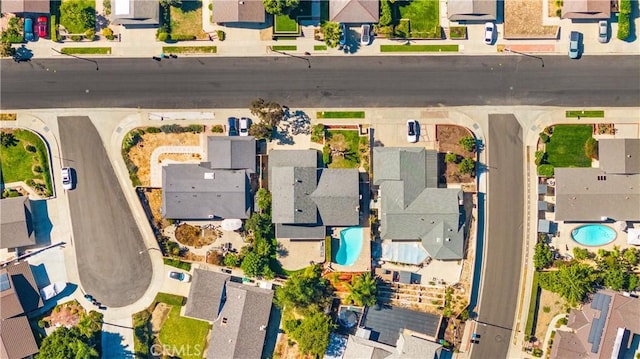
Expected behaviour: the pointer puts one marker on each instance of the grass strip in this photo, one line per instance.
(340, 114)
(170, 299)
(535, 289)
(86, 50)
(190, 49)
(418, 48)
(178, 264)
(588, 114)
(320, 47)
(284, 47)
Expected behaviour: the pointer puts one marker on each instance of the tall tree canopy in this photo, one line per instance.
(572, 281)
(311, 333)
(304, 290)
(362, 290)
(66, 343)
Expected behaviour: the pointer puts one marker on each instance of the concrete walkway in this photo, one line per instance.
(155, 169)
(552, 328)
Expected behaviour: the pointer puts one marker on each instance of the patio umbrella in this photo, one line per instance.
(231, 224)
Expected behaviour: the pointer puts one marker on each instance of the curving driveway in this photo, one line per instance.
(105, 235)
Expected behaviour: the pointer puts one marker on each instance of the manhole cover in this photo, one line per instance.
(498, 338)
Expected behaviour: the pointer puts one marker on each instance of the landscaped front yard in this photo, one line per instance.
(423, 15)
(78, 16)
(345, 149)
(186, 21)
(566, 146)
(26, 159)
(182, 332)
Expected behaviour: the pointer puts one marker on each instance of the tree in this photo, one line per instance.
(77, 18)
(231, 260)
(580, 253)
(633, 283)
(331, 32)
(451, 158)
(304, 290)
(67, 343)
(270, 113)
(261, 131)
(631, 256)
(5, 48)
(263, 200)
(385, 13)
(572, 281)
(468, 143)
(252, 264)
(542, 256)
(278, 7)
(311, 333)
(362, 290)
(7, 139)
(467, 166)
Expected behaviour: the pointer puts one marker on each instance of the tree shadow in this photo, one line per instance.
(41, 222)
(112, 346)
(188, 6)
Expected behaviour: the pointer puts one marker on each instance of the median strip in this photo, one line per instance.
(190, 49)
(86, 50)
(284, 48)
(588, 114)
(418, 48)
(340, 114)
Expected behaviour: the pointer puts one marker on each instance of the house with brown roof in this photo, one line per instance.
(238, 11)
(603, 328)
(16, 227)
(472, 10)
(586, 9)
(25, 6)
(614, 186)
(354, 11)
(18, 295)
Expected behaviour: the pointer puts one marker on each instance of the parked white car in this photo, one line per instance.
(67, 179)
(603, 31)
(412, 131)
(489, 31)
(365, 34)
(245, 123)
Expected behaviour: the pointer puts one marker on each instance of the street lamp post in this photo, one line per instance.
(506, 49)
(290, 55)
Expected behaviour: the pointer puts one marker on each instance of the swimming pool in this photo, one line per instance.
(350, 245)
(593, 235)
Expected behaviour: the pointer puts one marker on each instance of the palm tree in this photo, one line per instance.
(363, 290)
(8, 139)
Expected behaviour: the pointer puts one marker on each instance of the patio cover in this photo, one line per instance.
(409, 253)
(633, 236)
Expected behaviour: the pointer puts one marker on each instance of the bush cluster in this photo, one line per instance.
(179, 129)
(624, 20)
(182, 37)
(217, 129)
(544, 137)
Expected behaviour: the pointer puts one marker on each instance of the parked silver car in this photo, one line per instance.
(603, 31)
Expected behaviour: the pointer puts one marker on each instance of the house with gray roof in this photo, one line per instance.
(135, 12)
(413, 209)
(386, 324)
(472, 10)
(25, 6)
(586, 9)
(605, 327)
(354, 11)
(218, 188)
(16, 223)
(614, 186)
(306, 199)
(239, 313)
(408, 346)
(234, 11)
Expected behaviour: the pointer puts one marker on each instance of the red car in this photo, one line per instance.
(42, 26)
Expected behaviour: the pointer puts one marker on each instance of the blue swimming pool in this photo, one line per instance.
(350, 245)
(593, 235)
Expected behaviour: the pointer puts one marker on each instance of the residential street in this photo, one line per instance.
(504, 239)
(401, 81)
(105, 235)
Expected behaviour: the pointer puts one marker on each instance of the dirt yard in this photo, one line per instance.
(140, 154)
(179, 157)
(556, 305)
(154, 198)
(286, 350)
(448, 137)
(158, 316)
(523, 19)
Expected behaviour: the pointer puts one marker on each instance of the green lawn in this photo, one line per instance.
(586, 114)
(186, 21)
(86, 50)
(170, 299)
(566, 146)
(352, 159)
(285, 24)
(423, 15)
(69, 19)
(418, 48)
(190, 49)
(178, 264)
(319, 47)
(183, 332)
(17, 163)
(284, 47)
(340, 114)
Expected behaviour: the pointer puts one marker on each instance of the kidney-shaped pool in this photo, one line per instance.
(593, 235)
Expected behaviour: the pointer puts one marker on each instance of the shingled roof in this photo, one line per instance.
(25, 6)
(16, 338)
(238, 11)
(472, 10)
(354, 11)
(16, 227)
(586, 9)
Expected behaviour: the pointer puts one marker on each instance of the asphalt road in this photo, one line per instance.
(505, 197)
(411, 81)
(106, 238)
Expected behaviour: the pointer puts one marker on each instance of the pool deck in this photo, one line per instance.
(299, 254)
(363, 263)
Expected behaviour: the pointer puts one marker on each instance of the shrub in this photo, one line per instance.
(468, 143)
(581, 253)
(451, 158)
(37, 169)
(326, 154)
(194, 128)
(163, 36)
(545, 170)
(31, 148)
(385, 13)
(217, 129)
(210, 6)
(182, 37)
(541, 158)
(108, 33)
(90, 34)
(402, 29)
(221, 35)
(562, 321)
(76, 37)
(231, 260)
(171, 128)
(546, 309)
(153, 130)
(106, 5)
(544, 137)
(54, 29)
(317, 133)
(467, 166)
(591, 148)
(624, 26)
(537, 352)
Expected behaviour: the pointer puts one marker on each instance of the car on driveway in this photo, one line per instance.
(233, 126)
(42, 26)
(489, 31)
(182, 277)
(603, 31)
(412, 131)
(67, 178)
(245, 123)
(365, 34)
(343, 35)
(28, 29)
(574, 45)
